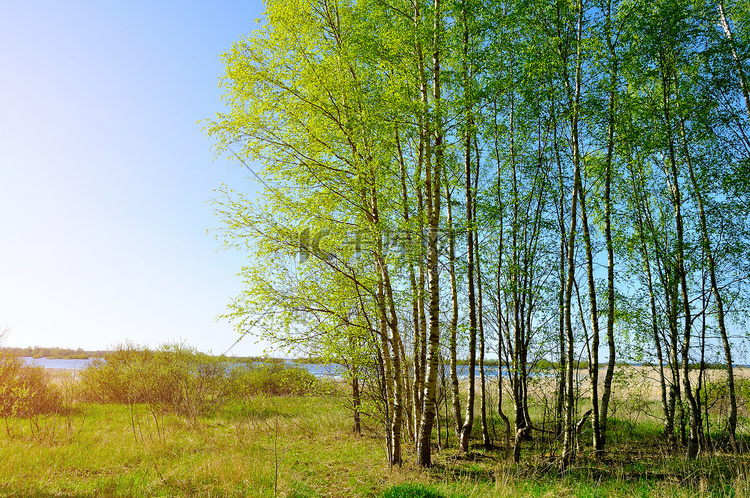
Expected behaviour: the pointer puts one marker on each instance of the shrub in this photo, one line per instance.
(274, 379)
(114, 378)
(25, 390)
(180, 379)
(174, 377)
(717, 396)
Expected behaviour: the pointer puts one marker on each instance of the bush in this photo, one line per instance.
(274, 379)
(114, 379)
(742, 388)
(25, 390)
(173, 377)
(182, 380)
(717, 396)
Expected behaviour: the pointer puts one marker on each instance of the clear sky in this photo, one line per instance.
(105, 174)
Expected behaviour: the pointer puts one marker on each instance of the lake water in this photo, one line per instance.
(316, 369)
(57, 363)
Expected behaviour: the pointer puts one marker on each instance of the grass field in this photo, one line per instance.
(302, 446)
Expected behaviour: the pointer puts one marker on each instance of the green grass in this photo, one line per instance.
(258, 436)
(303, 447)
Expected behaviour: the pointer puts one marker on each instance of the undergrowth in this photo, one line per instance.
(274, 432)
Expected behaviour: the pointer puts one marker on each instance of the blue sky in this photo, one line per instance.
(105, 174)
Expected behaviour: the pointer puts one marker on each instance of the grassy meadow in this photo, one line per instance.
(300, 443)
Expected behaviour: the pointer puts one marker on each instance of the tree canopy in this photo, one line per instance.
(526, 179)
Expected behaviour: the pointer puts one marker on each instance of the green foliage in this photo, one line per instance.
(274, 379)
(339, 106)
(742, 385)
(184, 381)
(25, 390)
(174, 377)
(716, 394)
